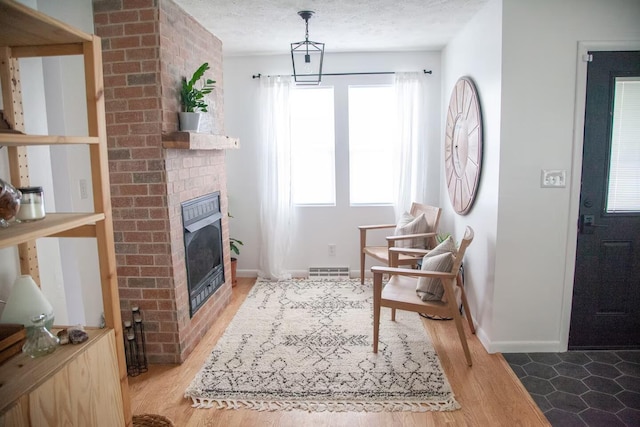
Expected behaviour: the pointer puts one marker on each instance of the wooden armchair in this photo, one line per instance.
(381, 253)
(400, 292)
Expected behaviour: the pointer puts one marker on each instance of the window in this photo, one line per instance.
(313, 146)
(623, 193)
(372, 118)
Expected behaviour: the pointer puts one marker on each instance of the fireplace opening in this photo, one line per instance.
(202, 223)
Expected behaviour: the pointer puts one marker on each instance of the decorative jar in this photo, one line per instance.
(40, 341)
(31, 204)
(9, 202)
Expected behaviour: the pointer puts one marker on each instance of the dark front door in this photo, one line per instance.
(606, 291)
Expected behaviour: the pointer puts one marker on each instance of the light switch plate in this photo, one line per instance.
(553, 178)
(84, 191)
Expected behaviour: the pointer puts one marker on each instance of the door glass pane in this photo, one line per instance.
(623, 193)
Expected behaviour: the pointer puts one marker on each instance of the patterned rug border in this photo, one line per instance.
(447, 403)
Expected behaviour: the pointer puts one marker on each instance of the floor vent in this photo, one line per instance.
(329, 272)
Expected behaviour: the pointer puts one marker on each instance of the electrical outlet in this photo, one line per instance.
(332, 250)
(84, 191)
(553, 178)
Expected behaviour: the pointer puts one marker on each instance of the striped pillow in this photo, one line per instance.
(439, 258)
(409, 224)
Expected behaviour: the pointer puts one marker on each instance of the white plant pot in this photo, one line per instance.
(189, 122)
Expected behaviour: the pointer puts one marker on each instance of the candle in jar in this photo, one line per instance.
(30, 212)
(31, 204)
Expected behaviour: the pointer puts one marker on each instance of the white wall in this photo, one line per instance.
(476, 52)
(320, 226)
(523, 302)
(539, 94)
(54, 103)
(66, 110)
(33, 104)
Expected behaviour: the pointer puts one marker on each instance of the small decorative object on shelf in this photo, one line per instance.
(9, 202)
(31, 204)
(63, 336)
(5, 127)
(193, 100)
(39, 340)
(135, 346)
(25, 301)
(12, 338)
(77, 335)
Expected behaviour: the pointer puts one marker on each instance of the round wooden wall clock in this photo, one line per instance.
(463, 145)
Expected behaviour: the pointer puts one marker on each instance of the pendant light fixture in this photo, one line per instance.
(307, 56)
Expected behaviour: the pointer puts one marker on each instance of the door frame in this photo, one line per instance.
(576, 173)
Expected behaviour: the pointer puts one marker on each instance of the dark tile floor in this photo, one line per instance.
(582, 388)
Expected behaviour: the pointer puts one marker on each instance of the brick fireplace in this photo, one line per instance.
(148, 46)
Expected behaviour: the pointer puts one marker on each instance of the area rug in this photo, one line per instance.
(307, 344)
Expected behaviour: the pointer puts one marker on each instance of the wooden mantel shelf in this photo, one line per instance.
(198, 141)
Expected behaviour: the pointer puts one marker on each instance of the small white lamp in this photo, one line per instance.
(25, 301)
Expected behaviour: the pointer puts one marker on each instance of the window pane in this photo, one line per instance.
(372, 117)
(313, 146)
(624, 169)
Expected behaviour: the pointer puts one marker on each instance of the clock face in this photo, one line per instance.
(463, 145)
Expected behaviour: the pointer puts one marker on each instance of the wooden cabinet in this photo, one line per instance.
(73, 384)
(85, 390)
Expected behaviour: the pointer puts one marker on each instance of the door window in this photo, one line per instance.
(623, 195)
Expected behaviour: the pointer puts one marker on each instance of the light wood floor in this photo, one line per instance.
(489, 393)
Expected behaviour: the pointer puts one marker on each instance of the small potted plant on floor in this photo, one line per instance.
(192, 97)
(233, 244)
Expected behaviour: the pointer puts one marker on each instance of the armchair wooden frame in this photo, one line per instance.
(381, 253)
(400, 292)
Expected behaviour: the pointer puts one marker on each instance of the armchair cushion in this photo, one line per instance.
(408, 224)
(439, 259)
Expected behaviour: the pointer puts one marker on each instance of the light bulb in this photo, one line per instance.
(307, 67)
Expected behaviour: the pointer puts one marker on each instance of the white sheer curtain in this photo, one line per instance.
(411, 155)
(276, 203)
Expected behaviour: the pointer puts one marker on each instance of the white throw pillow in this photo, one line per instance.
(408, 224)
(439, 259)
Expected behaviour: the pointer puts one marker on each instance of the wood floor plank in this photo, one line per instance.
(489, 392)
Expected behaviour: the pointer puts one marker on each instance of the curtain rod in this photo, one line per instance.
(257, 76)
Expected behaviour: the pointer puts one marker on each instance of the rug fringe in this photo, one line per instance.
(446, 405)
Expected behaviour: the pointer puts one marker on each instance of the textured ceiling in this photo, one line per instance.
(250, 27)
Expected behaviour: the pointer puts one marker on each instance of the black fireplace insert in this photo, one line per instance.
(202, 223)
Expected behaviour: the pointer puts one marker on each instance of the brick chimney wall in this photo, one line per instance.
(148, 46)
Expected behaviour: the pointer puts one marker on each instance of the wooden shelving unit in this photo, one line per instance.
(34, 392)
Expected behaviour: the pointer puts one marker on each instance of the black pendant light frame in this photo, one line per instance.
(307, 50)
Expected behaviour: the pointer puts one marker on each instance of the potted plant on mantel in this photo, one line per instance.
(234, 243)
(193, 100)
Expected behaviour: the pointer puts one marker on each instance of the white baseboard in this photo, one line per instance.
(524, 347)
(254, 273)
(354, 274)
(518, 346)
(247, 273)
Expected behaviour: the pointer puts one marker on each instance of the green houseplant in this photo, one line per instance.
(234, 246)
(192, 98)
(234, 243)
